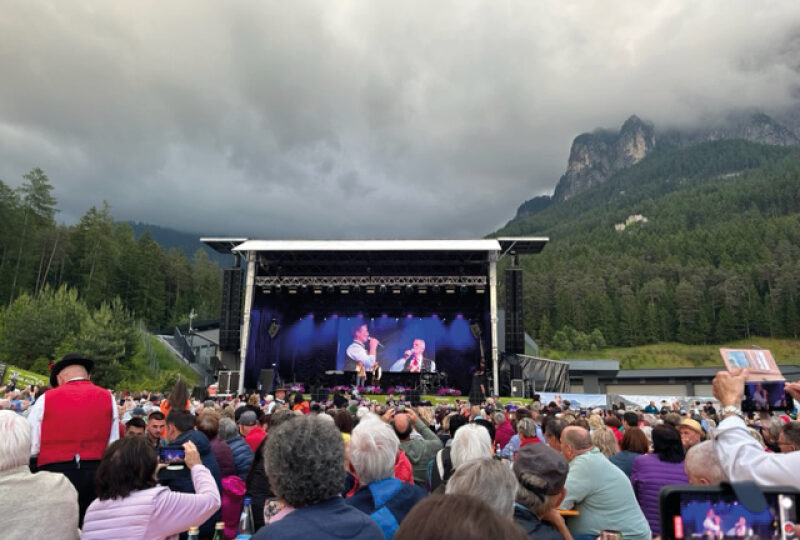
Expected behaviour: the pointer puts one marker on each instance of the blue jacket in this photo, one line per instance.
(181, 480)
(387, 501)
(330, 520)
(624, 460)
(242, 456)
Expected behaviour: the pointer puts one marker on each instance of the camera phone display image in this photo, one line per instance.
(172, 456)
(722, 517)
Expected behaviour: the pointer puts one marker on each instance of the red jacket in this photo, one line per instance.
(503, 434)
(77, 421)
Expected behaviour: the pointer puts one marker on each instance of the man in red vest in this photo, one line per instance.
(72, 424)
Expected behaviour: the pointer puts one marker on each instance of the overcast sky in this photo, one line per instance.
(346, 119)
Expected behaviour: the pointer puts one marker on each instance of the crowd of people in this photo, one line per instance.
(146, 465)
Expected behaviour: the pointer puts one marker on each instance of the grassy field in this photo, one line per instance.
(666, 355)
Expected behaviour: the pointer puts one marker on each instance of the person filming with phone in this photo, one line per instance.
(130, 504)
(741, 457)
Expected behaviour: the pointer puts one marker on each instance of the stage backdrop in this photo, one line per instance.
(303, 348)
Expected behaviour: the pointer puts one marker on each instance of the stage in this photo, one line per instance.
(312, 308)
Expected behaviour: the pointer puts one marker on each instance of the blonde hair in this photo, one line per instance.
(595, 422)
(605, 441)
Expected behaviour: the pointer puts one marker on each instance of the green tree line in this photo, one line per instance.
(717, 260)
(92, 287)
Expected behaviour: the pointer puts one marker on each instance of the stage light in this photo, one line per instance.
(292, 290)
(370, 290)
(459, 316)
(396, 289)
(382, 289)
(317, 290)
(384, 315)
(409, 316)
(422, 290)
(450, 290)
(335, 315)
(344, 290)
(267, 290)
(310, 315)
(435, 316)
(480, 289)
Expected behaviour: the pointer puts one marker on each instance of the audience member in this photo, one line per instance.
(503, 429)
(630, 420)
(702, 465)
(552, 433)
(442, 466)
(241, 451)
(304, 460)
(418, 451)
(249, 429)
(513, 444)
(130, 504)
(471, 442)
(789, 439)
(634, 444)
(456, 516)
(135, 427)
(208, 425)
(605, 440)
(599, 490)
(156, 425)
(72, 424)
(489, 480)
(373, 451)
(41, 505)
(180, 429)
(541, 473)
(691, 432)
(741, 457)
(651, 472)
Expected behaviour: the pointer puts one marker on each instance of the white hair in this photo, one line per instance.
(472, 441)
(373, 450)
(361, 412)
(326, 417)
(489, 480)
(15, 440)
(702, 461)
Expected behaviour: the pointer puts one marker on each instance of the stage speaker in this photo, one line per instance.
(223, 383)
(230, 321)
(414, 397)
(234, 383)
(267, 376)
(517, 388)
(514, 331)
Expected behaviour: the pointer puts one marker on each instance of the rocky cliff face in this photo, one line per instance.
(594, 157)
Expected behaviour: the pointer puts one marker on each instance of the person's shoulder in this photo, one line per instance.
(52, 483)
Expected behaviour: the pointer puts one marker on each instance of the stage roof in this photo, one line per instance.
(369, 245)
(522, 245)
(223, 245)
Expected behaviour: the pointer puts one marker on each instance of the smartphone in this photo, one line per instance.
(610, 535)
(172, 455)
(766, 396)
(715, 512)
(400, 408)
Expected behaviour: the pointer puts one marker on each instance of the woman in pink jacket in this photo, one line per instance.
(130, 504)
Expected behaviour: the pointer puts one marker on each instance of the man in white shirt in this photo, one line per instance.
(414, 359)
(741, 457)
(360, 355)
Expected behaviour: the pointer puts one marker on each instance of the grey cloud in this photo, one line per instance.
(359, 119)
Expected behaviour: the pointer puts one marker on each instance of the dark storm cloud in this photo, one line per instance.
(359, 119)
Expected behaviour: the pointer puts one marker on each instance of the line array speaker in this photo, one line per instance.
(514, 327)
(231, 312)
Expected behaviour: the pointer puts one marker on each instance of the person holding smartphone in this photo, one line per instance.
(741, 457)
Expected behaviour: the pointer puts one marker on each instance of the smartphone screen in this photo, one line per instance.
(766, 396)
(172, 456)
(720, 515)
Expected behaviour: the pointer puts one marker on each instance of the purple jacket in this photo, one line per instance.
(648, 475)
(224, 455)
(153, 513)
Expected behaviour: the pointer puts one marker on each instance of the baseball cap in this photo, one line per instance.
(543, 462)
(248, 418)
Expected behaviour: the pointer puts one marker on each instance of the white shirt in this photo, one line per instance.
(37, 414)
(358, 353)
(742, 458)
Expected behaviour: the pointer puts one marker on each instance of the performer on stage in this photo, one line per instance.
(414, 359)
(72, 424)
(356, 357)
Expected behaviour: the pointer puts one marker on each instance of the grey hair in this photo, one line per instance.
(487, 479)
(304, 461)
(227, 429)
(702, 460)
(472, 441)
(498, 418)
(526, 428)
(373, 450)
(15, 440)
(537, 503)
